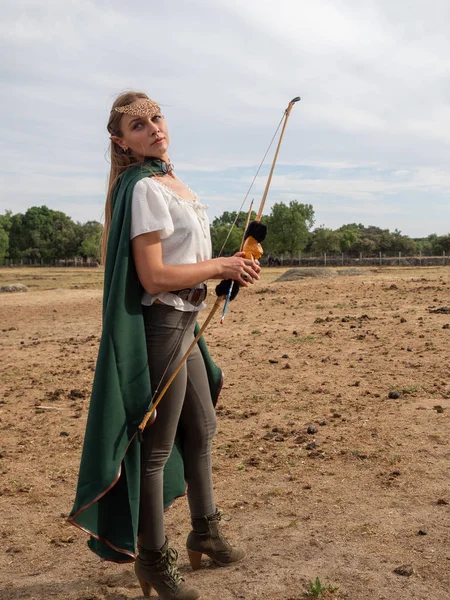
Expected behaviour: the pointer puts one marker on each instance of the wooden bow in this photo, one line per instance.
(252, 247)
(253, 250)
(251, 241)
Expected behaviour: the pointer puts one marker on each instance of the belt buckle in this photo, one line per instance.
(197, 295)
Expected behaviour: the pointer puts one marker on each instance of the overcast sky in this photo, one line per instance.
(368, 143)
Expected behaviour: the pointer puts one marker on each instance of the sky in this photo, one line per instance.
(368, 143)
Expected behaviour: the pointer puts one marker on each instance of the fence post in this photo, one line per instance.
(381, 260)
(420, 258)
(399, 256)
(342, 259)
(324, 259)
(443, 257)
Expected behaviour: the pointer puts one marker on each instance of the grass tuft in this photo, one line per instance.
(316, 589)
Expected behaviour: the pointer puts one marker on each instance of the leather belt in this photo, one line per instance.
(194, 296)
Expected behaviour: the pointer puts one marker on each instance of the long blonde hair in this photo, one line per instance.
(120, 160)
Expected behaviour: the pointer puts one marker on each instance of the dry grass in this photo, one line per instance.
(53, 278)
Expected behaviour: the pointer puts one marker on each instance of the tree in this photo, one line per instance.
(227, 219)
(92, 234)
(4, 243)
(402, 243)
(219, 235)
(439, 244)
(15, 237)
(5, 227)
(288, 227)
(43, 233)
(5, 220)
(224, 225)
(357, 238)
(325, 240)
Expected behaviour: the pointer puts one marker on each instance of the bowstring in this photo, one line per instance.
(181, 336)
(251, 185)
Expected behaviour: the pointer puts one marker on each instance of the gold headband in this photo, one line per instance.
(143, 108)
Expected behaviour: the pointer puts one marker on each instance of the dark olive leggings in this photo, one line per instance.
(187, 405)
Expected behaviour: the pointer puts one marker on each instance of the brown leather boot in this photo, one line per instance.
(157, 569)
(207, 538)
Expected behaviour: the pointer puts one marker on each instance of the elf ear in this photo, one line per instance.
(117, 140)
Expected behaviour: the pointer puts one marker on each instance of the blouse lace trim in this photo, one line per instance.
(194, 203)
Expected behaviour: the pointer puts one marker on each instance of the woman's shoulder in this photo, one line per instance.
(147, 187)
(146, 183)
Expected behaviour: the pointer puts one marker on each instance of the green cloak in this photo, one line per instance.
(107, 498)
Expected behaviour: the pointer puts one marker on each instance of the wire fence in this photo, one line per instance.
(302, 260)
(59, 262)
(351, 260)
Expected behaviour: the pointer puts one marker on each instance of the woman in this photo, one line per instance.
(170, 259)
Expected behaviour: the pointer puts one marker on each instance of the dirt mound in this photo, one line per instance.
(303, 273)
(14, 287)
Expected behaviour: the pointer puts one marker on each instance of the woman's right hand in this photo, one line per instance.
(243, 270)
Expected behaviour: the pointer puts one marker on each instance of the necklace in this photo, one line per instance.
(158, 167)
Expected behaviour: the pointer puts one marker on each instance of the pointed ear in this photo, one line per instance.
(117, 140)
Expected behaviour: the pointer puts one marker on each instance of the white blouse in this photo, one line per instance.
(183, 226)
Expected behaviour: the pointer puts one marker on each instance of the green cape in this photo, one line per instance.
(107, 498)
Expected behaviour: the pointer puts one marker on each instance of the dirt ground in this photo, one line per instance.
(331, 459)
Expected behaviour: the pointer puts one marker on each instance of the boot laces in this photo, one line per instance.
(218, 517)
(171, 566)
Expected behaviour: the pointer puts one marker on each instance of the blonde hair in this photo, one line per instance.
(120, 160)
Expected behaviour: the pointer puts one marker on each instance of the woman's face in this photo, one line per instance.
(144, 136)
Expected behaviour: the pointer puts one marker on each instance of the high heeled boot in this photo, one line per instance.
(158, 569)
(207, 538)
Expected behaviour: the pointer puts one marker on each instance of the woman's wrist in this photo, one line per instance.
(216, 263)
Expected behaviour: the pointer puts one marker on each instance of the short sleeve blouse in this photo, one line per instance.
(183, 226)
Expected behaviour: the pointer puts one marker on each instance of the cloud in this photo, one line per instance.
(372, 129)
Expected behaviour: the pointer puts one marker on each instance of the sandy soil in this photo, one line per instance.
(332, 453)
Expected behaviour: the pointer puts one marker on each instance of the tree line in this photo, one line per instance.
(45, 234)
(291, 233)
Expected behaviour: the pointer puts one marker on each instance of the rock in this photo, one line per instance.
(422, 532)
(393, 395)
(441, 502)
(311, 430)
(446, 326)
(442, 310)
(14, 287)
(300, 439)
(285, 356)
(438, 408)
(404, 570)
(287, 366)
(272, 361)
